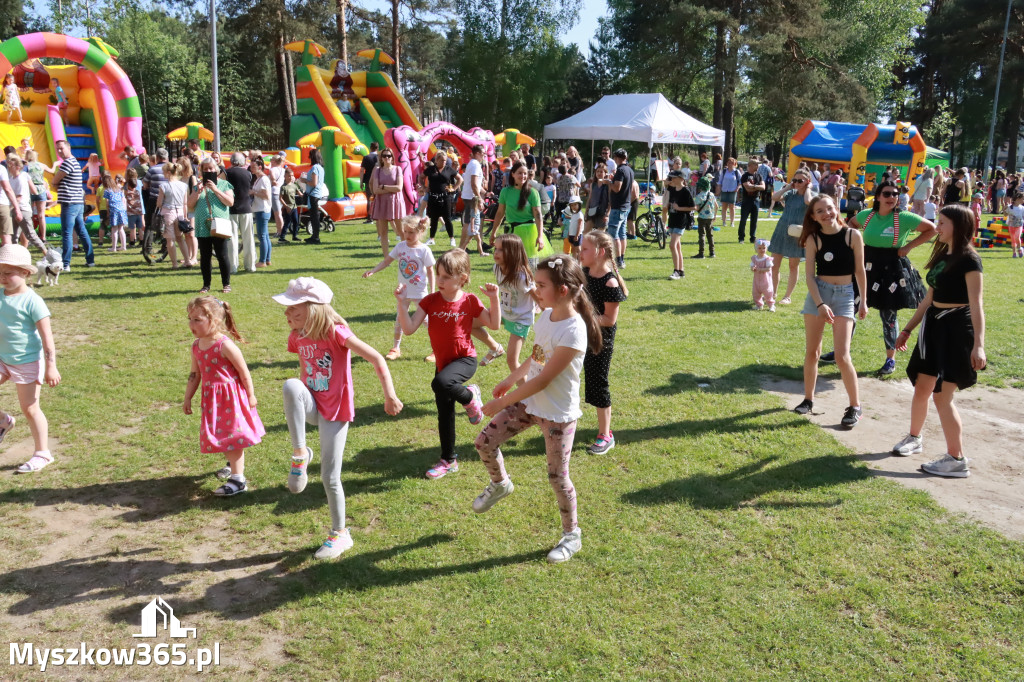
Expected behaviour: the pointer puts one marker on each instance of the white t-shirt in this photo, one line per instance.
(276, 179)
(575, 222)
(260, 205)
(516, 302)
(929, 211)
(22, 186)
(686, 174)
(413, 262)
(610, 165)
(472, 168)
(1015, 215)
(560, 400)
(4, 201)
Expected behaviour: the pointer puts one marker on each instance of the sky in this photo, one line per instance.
(585, 29)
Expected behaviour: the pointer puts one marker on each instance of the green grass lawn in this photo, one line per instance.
(724, 538)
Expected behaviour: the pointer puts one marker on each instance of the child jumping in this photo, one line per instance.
(451, 311)
(27, 354)
(761, 266)
(324, 396)
(606, 291)
(415, 270)
(229, 423)
(550, 397)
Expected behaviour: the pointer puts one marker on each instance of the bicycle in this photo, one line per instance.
(650, 226)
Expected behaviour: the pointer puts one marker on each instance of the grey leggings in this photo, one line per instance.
(299, 410)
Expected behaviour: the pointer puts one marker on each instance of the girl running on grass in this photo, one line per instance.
(324, 396)
(515, 282)
(229, 422)
(950, 348)
(27, 354)
(606, 290)
(550, 398)
(451, 312)
(415, 269)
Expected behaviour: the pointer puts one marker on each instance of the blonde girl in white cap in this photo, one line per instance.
(27, 354)
(324, 395)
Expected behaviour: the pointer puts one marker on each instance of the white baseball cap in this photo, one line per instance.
(305, 290)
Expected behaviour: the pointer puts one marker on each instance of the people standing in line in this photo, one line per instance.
(893, 283)
(241, 213)
(316, 192)
(386, 184)
(950, 349)
(750, 188)
(835, 277)
(366, 167)
(785, 244)
(212, 199)
(71, 197)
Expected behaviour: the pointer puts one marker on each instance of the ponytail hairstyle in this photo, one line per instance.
(565, 271)
(172, 171)
(514, 260)
(811, 226)
(962, 219)
(602, 240)
(524, 191)
(320, 321)
(421, 223)
(219, 312)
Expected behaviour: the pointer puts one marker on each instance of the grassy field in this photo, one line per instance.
(724, 537)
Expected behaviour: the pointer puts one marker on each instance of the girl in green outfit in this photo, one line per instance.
(520, 204)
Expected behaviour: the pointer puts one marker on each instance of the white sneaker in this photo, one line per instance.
(948, 466)
(491, 494)
(566, 547)
(297, 477)
(336, 543)
(430, 242)
(453, 244)
(911, 445)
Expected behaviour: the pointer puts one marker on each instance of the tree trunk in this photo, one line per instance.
(289, 71)
(340, 6)
(396, 45)
(729, 89)
(281, 72)
(1014, 127)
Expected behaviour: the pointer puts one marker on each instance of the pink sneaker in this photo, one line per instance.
(474, 409)
(442, 468)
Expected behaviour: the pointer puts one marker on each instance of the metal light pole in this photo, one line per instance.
(213, 69)
(995, 101)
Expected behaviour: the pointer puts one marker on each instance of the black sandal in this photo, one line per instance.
(804, 407)
(230, 487)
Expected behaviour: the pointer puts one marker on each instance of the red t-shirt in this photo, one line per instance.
(327, 372)
(450, 325)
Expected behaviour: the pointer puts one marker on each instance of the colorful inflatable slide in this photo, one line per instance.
(103, 114)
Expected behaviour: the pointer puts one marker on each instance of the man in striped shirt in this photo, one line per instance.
(71, 197)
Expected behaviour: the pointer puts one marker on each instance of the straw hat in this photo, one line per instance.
(17, 255)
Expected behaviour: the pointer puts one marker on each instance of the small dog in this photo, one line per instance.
(50, 267)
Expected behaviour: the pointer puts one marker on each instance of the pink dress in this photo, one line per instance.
(387, 206)
(762, 288)
(228, 423)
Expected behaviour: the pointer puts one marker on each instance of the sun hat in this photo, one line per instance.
(305, 290)
(575, 199)
(17, 255)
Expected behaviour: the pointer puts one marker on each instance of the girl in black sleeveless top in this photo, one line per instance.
(838, 254)
(950, 346)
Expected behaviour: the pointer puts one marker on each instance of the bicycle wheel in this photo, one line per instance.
(662, 232)
(645, 228)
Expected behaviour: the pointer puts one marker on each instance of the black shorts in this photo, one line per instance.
(632, 212)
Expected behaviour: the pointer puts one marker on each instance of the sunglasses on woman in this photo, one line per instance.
(889, 195)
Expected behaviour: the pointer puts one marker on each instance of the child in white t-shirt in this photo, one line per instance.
(572, 226)
(415, 270)
(515, 284)
(1015, 221)
(24, 188)
(930, 207)
(550, 397)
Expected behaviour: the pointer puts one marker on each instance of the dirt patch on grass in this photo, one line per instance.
(992, 495)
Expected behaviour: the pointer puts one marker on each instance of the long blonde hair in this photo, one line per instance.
(321, 319)
(602, 240)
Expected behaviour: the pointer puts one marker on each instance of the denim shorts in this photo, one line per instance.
(838, 297)
(617, 222)
(728, 197)
(517, 328)
(676, 230)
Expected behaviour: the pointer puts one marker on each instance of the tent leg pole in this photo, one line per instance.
(591, 156)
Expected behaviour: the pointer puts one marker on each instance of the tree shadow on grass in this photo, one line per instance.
(697, 307)
(743, 486)
(745, 379)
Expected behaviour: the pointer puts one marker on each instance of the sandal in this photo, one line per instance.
(36, 463)
(491, 356)
(393, 354)
(785, 301)
(430, 358)
(226, 290)
(231, 487)
(204, 290)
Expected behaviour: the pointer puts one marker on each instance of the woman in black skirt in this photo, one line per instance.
(951, 342)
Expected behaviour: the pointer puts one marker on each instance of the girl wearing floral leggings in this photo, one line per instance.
(550, 397)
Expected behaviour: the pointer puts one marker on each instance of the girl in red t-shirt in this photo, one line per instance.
(323, 396)
(452, 311)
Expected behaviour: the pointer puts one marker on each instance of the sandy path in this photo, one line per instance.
(993, 433)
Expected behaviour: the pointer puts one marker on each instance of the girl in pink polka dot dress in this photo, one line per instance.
(229, 422)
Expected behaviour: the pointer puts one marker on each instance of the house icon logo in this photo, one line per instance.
(157, 611)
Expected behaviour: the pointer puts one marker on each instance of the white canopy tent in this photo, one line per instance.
(646, 118)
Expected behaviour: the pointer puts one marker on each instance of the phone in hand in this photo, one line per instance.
(210, 176)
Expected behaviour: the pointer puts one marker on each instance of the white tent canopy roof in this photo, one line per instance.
(646, 118)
